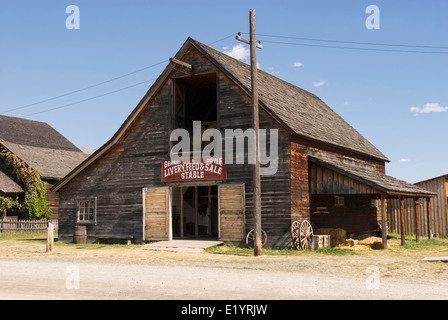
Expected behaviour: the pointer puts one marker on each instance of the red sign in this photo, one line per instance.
(194, 169)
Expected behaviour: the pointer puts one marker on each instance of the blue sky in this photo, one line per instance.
(397, 100)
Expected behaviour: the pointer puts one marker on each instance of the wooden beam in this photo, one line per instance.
(196, 216)
(417, 219)
(209, 210)
(181, 212)
(428, 217)
(383, 221)
(403, 230)
(259, 46)
(181, 63)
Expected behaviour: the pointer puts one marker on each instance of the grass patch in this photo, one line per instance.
(233, 250)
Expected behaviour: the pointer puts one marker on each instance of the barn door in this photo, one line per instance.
(231, 206)
(157, 213)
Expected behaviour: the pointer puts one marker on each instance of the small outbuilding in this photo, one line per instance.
(41, 148)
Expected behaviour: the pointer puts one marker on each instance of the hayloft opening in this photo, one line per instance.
(195, 99)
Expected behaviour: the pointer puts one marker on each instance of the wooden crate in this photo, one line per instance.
(320, 241)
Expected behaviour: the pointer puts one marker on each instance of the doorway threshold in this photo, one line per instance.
(184, 245)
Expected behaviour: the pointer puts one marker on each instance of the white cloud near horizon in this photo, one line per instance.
(319, 84)
(429, 107)
(404, 160)
(298, 64)
(239, 52)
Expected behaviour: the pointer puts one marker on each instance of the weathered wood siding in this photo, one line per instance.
(52, 201)
(439, 215)
(156, 214)
(326, 181)
(231, 213)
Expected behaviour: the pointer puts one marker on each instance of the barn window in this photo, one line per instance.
(86, 211)
(195, 99)
(339, 201)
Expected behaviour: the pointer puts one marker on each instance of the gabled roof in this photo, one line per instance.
(40, 146)
(368, 175)
(299, 111)
(8, 186)
(33, 133)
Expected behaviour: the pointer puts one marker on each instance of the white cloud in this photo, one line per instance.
(239, 52)
(319, 84)
(298, 64)
(404, 160)
(429, 107)
(345, 102)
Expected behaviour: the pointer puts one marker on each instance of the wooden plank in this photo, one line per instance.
(231, 212)
(403, 229)
(417, 220)
(428, 216)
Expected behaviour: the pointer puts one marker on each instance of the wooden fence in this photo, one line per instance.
(26, 226)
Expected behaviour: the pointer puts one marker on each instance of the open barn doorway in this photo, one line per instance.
(195, 212)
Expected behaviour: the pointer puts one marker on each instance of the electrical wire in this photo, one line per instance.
(353, 48)
(95, 97)
(351, 42)
(96, 85)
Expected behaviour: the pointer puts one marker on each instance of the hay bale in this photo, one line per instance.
(372, 242)
(337, 236)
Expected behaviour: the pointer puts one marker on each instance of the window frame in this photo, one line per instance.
(84, 213)
(339, 201)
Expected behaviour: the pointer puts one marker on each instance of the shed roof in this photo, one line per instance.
(8, 186)
(369, 175)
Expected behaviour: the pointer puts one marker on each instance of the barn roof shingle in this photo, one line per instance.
(40, 146)
(8, 186)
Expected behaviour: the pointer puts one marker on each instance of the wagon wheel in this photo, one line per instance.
(305, 234)
(250, 238)
(295, 228)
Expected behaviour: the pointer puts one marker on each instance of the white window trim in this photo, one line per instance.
(78, 213)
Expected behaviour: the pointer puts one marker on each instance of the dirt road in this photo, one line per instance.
(55, 279)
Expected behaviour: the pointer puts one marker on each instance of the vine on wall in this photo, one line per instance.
(35, 202)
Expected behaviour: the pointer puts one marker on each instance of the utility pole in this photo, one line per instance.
(256, 126)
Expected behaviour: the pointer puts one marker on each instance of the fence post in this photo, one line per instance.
(50, 237)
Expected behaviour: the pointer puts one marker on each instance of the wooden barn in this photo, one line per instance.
(42, 148)
(327, 172)
(438, 223)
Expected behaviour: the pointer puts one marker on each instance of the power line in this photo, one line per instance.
(83, 89)
(98, 84)
(354, 48)
(353, 42)
(95, 97)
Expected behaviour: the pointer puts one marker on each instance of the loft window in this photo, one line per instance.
(86, 211)
(339, 201)
(195, 99)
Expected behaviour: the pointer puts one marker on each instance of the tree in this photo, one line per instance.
(8, 204)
